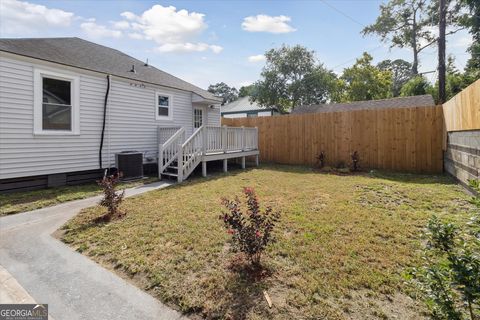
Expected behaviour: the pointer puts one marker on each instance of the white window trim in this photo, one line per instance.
(38, 102)
(170, 106)
(203, 115)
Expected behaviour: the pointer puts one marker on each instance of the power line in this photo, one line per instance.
(343, 13)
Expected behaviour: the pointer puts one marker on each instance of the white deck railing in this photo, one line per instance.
(205, 141)
(169, 150)
(190, 154)
(230, 139)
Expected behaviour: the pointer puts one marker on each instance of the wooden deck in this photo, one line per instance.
(178, 157)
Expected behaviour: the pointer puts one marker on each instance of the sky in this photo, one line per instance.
(206, 42)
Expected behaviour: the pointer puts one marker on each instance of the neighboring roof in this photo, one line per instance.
(242, 105)
(84, 54)
(400, 102)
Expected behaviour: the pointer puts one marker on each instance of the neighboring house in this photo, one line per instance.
(68, 105)
(399, 102)
(244, 108)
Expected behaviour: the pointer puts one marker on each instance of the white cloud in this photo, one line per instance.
(136, 36)
(20, 18)
(256, 58)
(171, 29)
(96, 31)
(122, 25)
(188, 47)
(265, 23)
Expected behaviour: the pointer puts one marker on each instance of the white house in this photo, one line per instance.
(67, 106)
(244, 108)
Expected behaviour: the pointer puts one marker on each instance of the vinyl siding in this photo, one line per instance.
(214, 118)
(131, 123)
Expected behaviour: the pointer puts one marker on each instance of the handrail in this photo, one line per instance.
(169, 151)
(191, 152)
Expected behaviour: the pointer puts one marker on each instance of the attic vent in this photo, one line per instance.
(133, 69)
(146, 63)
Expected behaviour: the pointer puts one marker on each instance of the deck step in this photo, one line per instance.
(172, 167)
(169, 174)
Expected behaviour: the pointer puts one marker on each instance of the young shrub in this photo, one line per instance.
(450, 277)
(321, 160)
(252, 229)
(111, 198)
(355, 160)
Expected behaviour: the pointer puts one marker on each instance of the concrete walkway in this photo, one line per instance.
(73, 286)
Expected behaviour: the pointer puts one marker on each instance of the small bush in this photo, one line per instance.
(321, 160)
(355, 160)
(111, 198)
(450, 278)
(252, 230)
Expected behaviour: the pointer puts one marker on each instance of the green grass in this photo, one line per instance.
(343, 243)
(11, 203)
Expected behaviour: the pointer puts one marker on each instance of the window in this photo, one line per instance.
(163, 106)
(56, 109)
(197, 118)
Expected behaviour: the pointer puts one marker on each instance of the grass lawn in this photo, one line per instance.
(344, 243)
(11, 203)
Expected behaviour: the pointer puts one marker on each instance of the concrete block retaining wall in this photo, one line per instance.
(462, 158)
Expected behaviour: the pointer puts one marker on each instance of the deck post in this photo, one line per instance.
(180, 163)
(243, 162)
(256, 160)
(225, 165)
(243, 138)
(160, 161)
(204, 141)
(204, 168)
(224, 139)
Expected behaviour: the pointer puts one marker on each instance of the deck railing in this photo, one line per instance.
(204, 141)
(230, 139)
(169, 150)
(190, 154)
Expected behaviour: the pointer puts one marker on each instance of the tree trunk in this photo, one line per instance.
(442, 95)
(414, 44)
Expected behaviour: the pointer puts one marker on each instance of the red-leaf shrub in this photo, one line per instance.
(111, 198)
(252, 229)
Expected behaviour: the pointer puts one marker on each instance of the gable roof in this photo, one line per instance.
(76, 52)
(241, 105)
(399, 102)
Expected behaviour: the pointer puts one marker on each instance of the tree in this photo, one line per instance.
(401, 73)
(472, 22)
(364, 81)
(246, 91)
(416, 86)
(404, 23)
(292, 77)
(222, 90)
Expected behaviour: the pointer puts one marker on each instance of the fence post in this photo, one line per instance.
(180, 163)
(256, 138)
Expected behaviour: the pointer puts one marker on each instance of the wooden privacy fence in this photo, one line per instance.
(462, 112)
(403, 139)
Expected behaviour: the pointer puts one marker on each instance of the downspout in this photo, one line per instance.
(104, 121)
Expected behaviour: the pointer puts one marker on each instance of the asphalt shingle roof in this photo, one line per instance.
(84, 54)
(399, 102)
(241, 104)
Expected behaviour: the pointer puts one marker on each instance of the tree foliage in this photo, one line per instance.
(404, 24)
(401, 72)
(222, 90)
(416, 86)
(364, 81)
(292, 77)
(246, 91)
